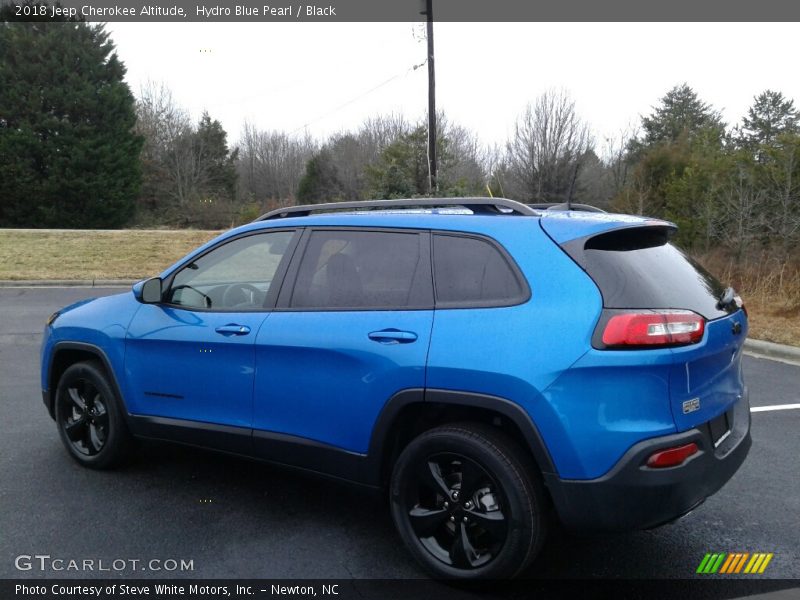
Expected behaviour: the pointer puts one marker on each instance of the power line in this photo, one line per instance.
(260, 94)
(355, 99)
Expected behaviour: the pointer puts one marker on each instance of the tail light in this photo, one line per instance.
(654, 328)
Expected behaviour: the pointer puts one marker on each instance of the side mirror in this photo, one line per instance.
(150, 291)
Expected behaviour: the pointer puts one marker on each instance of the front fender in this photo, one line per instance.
(97, 326)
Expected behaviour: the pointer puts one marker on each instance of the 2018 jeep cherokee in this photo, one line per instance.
(492, 365)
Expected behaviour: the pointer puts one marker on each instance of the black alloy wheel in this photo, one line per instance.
(89, 418)
(457, 511)
(468, 502)
(85, 421)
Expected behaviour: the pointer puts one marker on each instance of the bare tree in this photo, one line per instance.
(495, 164)
(633, 198)
(159, 118)
(464, 160)
(187, 167)
(783, 184)
(271, 163)
(338, 170)
(615, 155)
(378, 132)
(738, 217)
(545, 156)
(166, 156)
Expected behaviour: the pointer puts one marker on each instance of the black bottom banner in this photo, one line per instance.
(263, 589)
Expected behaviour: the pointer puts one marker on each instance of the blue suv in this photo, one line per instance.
(494, 366)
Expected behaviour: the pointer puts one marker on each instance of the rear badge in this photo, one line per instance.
(691, 405)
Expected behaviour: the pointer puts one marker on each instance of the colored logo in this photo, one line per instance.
(691, 405)
(734, 562)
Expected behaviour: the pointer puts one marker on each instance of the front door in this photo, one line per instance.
(192, 357)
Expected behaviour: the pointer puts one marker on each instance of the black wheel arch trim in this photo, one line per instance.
(511, 410)
(48, 395)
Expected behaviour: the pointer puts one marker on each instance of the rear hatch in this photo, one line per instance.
(657, 298)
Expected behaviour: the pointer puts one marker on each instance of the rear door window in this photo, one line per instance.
(473, 272)
(348, 269)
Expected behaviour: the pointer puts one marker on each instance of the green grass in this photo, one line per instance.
(123, 254)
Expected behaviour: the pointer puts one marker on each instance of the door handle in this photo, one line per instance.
(393, 336)
(233, 329)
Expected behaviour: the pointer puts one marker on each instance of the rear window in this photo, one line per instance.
(473, 272)
(639, 268)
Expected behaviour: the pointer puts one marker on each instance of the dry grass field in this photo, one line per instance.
(73, 254)
(771, 289)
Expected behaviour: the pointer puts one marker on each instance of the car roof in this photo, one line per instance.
(560, 225)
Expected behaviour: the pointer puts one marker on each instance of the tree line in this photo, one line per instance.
(79, 149)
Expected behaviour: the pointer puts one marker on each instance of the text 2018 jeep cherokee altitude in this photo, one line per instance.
(493, 365)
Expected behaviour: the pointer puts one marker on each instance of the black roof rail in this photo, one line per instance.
(483, 206)
(565, 206)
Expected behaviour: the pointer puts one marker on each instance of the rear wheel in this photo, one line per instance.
(468, 503)
(89, 417)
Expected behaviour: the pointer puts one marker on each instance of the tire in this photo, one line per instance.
(468, 503)
(89, 417)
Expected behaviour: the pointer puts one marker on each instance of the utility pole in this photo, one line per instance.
(427, 10)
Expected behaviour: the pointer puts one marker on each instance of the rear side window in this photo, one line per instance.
(470, 271)
(639, 268)
(362, 270)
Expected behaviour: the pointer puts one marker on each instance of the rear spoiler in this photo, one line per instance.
(563, 227)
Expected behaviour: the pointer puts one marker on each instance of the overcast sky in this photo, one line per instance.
(326, 77)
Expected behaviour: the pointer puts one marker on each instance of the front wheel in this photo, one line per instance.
(468, 503)
(89, 417)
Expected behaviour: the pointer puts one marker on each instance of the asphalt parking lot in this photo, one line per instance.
(239, 519)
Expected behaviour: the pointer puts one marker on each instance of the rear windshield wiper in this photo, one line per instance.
(727, 298)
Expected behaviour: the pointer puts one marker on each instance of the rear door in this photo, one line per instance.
(638, 268)
(351, 329)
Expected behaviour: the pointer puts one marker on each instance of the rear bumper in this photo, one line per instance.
(633, 496)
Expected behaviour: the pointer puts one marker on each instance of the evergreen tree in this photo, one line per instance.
(321, 182)
(770, 116)
(215, 162)
(681, 113)
(70, 157)
(402, 170)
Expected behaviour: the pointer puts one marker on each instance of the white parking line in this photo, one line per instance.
(774, 407)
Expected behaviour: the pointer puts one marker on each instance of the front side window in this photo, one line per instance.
(470, 271)
(362, 269)
(235, 276)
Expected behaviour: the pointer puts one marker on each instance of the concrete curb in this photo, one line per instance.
(774, 351)
(61, 283)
